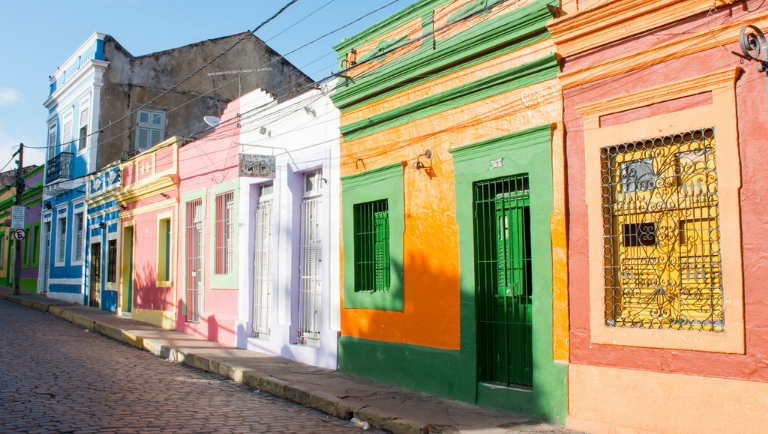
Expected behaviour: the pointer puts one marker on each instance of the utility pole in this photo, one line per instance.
(19, 190)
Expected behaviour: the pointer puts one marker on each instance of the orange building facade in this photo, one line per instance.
(665, 143)
(451, 120)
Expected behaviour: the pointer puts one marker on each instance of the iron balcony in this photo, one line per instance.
(59, 167)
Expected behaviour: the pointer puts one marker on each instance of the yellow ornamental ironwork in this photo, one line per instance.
(661, 234)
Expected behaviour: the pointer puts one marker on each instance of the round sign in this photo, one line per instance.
(19, 234)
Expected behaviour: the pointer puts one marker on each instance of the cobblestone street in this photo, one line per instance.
(57, 377)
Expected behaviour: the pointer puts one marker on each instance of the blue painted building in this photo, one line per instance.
(72, 124)
(101, 283)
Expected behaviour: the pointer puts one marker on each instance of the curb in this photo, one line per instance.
(298, 393)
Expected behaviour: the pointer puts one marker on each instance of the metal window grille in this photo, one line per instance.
(662, 264)
(62, 238)
(194, 258)
(262, 290)
(371, 227)
(503, 281)
(79, 237)
(112, 261)
(310, 271)
(225, 203)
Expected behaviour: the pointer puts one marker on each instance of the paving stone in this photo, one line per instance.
(56, 378)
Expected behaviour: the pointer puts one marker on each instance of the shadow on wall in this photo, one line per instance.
(146, 293)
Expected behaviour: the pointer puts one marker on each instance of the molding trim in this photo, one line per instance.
(720, 115)
(148, 208)
(677, 48)
(537, 71)
(604, 23)
(159, 185)
(524, 24)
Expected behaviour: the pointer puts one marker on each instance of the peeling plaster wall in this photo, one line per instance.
(130, 82)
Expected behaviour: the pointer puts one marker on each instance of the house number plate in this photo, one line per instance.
(497, 163)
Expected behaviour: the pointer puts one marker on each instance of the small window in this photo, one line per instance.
(639, 234)
(150, 129)
(62, 239)
(52, 141)
(112, 261)
(83, 130)
(638, 175)
(225, 203)
(313, 183)
(371, 225)
(164, 250)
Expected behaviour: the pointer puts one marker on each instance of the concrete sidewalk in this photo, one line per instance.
(383, 406)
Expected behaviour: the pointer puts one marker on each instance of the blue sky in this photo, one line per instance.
(36, 36)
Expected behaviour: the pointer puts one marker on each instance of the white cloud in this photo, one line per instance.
(9, 95)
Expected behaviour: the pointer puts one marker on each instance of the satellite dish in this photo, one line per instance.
(212, 120)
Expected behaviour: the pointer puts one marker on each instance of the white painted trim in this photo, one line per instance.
(77, 79)
(104, 211)
(65, 296)
(91, 39)
(65, 281)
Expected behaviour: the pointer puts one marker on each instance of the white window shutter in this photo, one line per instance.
(142, 138)
(157, 137)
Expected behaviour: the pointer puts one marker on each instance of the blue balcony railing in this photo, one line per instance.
(59, 167)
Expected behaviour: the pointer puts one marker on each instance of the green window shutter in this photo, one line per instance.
(381, 250)
(142, 138)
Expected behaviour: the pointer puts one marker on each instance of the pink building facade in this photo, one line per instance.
(207, 234)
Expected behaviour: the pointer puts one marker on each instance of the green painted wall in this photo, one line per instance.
(453, 374)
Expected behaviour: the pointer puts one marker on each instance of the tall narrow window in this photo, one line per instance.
(150, 129)
(79, 236)
(2, 250)
(225, 203)
(112, 261)
(83, 129)
(35, 245)
(25, 248)
(164, 250)
(193, 257)
(262, 290)
(62, 239)
(662, 262)
(310, 267)
(371, 221)
(52, 141)
(67, 133)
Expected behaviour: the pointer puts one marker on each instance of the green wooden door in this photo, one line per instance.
(503, 281)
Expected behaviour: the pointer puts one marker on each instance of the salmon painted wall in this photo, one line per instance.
(752, 118)
(146, 293)
(202, 165)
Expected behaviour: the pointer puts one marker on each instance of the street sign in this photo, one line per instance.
(19, 234)
(17, 216)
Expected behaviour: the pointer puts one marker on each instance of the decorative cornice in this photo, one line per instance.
(357, 180)
(606, 22)
(160, 185)
(92, 65)
(539, 70)
(517, 139)
(677, 48)
(498, 35)
(723, 79)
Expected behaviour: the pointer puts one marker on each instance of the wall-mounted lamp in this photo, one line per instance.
(123, 207)
(418, 164)
(310, 111)
(48, 206)
(754, 48)
(165, 195)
